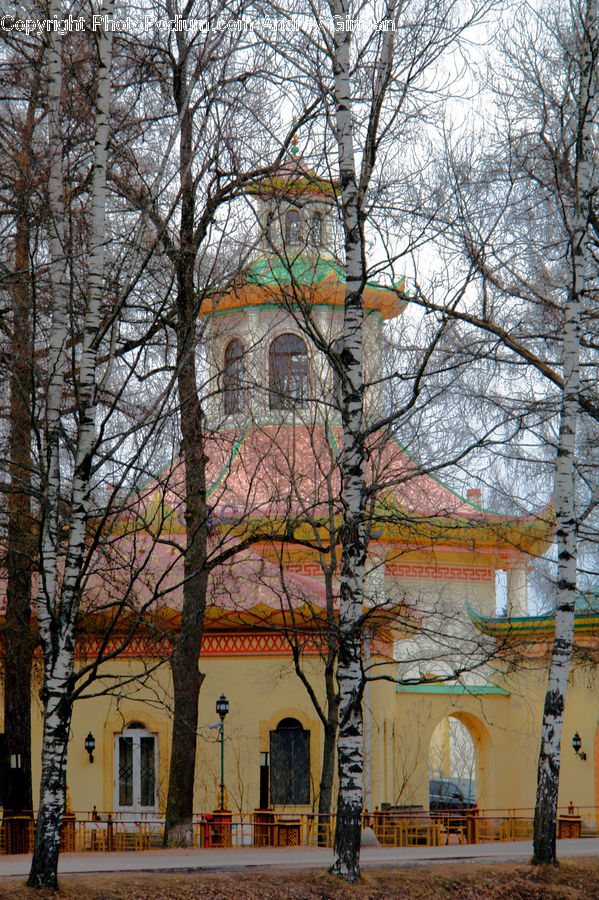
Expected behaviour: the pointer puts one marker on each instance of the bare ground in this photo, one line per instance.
(577, 880)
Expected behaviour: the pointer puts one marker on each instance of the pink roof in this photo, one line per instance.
(278, 471)
(141, 572)
(257, 478)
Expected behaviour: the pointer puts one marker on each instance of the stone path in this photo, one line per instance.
(287, 858)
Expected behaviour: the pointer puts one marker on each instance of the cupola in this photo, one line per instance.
(296, 210)
(263, 368)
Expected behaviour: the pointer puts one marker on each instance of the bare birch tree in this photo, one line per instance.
(20, 189)
(58, 597)
(525, 221)
(83, 398)
(585, 123)
(369, 90)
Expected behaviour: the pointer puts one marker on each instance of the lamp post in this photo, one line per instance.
(222, 708)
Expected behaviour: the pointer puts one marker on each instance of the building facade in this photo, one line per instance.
(435, 649)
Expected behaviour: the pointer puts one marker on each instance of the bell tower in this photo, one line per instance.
(296, 210)
(263, 366)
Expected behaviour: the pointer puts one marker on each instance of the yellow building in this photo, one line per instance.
(431, 632)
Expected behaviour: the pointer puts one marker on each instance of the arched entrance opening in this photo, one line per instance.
(452, 764)
(289, 764)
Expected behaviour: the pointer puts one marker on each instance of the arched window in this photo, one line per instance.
(272, 226)
(337, 396)
(316, 229)
(293, 227)
(234, 377)
(289, 764)
(288, 365)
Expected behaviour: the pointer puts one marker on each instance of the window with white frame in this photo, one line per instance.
(135, 769)
(288, 372)
(234, 377)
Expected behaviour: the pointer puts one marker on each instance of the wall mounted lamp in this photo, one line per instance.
(90, 746)
(576, 745)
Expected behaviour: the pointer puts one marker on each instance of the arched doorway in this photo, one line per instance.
(289, 764)
(452, 763)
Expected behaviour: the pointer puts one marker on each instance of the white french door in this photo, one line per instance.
(135, 769)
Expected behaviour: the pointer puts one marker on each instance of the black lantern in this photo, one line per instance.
(576, 745)
(90, 746)
(222, 707)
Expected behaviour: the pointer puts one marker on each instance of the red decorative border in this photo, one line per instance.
(408, 570)
(309, 570)
(450, 573)
(139, 646)
(253, 644)
(229, 644)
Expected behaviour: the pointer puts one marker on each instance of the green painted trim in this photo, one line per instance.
(442, 688)
(304, 269)
(227, 465)
(278, 307)
(334, 444)
(538, 628)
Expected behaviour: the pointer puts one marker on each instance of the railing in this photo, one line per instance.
(93, 832)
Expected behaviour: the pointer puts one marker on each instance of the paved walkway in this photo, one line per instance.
(287, 858)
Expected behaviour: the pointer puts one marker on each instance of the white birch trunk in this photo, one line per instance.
(57, 615)
(350, 751)
(564, 490)
(350, 677)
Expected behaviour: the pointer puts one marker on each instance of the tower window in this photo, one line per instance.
(234, 377)
(272, 224)
(288, 364)
(337, 394)
(316, 229)
(289, 764)
(293, 227)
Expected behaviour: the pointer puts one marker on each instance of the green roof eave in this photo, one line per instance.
(273, 271)
(437, 687)
(537, 628)
(286, 185)
(277, 307)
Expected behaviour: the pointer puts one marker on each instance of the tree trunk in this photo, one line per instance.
(350, 760)
(331, 724)
(58, 708)
(350, 750)
(187, 680)
(186, 686)
(325, 796)
(57, 607)
(565, 486)
(18, 796)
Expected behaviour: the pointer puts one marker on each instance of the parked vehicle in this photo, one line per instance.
(445, 795)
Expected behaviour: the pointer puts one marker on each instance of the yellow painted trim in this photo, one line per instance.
(386, 301)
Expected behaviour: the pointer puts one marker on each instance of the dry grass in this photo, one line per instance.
(570, 881)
